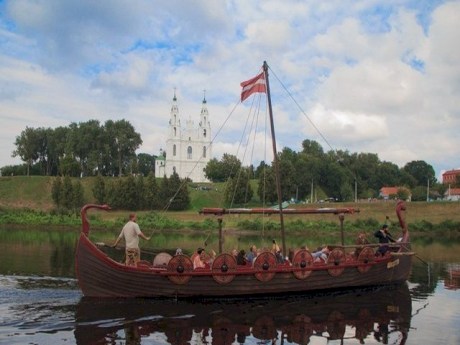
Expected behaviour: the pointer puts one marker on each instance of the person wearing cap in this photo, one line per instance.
(384, 238)
(131, 233)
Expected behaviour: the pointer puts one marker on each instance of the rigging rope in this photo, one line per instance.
(302, 111)
(339, 160)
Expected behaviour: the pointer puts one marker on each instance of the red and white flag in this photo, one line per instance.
(256, 84)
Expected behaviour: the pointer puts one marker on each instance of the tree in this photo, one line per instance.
(114, 193)
(407, 179)
(69, 166)
(151, 192)
(56, 188)
(308, 172)
(83, 142)
(124, 141)
(312, 148)
(238, 190)
(27, 147)
(129, 192)
(140, 192)
(346, 192)
(42, 150)
(387, 174)
(365, 168)
(180, 199)
(77, 195)
(334, 180)
(98, 189)
(220, 171)
(260, 169)
(213, 171)
(403, 193)
(173, 192)
(286, 160)
(164, 192)
(422, 172)
(56, 144)
(146, 163)
(14, 170)
(442, 189)
(419, 193)
(266, 189)
(66, 196)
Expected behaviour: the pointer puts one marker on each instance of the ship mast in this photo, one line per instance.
(275, 155)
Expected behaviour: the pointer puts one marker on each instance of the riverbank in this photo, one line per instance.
(27, 201)
(255, 224)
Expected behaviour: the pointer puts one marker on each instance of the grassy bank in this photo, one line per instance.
(27, 200)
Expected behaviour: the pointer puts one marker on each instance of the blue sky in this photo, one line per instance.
(373, 76)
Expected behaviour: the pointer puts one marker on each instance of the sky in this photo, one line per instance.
(372, 76)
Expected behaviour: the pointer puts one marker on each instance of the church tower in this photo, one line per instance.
(188, 149)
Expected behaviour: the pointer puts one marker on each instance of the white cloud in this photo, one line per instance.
(371, 77)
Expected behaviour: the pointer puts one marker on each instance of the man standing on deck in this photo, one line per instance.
(131, 233)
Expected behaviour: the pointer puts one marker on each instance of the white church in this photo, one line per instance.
(188, 149)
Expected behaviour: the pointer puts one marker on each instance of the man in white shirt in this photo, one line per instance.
(131, 233)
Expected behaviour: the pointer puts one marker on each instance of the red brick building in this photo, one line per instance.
(450, 176)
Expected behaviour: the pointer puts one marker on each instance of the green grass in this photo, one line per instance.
(26, 192)
(34, 193)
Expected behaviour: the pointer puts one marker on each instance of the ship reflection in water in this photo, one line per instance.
(452, 281)
(381, 314)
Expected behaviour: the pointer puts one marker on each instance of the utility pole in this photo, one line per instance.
(428, 190)
(356, 191)
(311, 194)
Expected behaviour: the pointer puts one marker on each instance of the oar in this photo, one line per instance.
(418, 257)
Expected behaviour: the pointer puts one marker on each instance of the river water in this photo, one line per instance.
(40, 303)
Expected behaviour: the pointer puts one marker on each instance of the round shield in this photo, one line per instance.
(264, 265)
(335, 259)
(224, 268)
(367, 256)
(264, 328)
(181, 266)
(301, 261)
(301, 329)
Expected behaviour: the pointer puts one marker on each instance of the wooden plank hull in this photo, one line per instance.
(100, 276)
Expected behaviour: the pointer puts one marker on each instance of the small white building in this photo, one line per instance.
(452, 194)
(188, 149)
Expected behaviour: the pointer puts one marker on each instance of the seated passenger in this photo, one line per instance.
(277, 251)
(360, 241)
(321, 253)
(251, 256)
(200, 260)
(241, 258)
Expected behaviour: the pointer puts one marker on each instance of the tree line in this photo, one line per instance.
(338, 175)
(81, 149)
(129, 193)
(109, 149)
